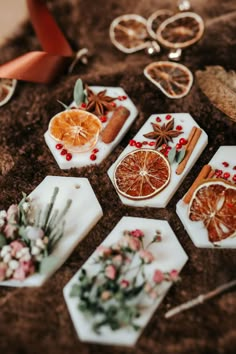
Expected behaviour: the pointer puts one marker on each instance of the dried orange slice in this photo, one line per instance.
(156, 19)
(7, 88)
(181, 30)
(141, 174)
(78, 130)
(214, 203)
(129, 33)
(173, 79)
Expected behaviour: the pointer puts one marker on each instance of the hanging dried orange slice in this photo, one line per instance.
(7, 88)
(129, 33)
(214, 203)
(181, 30)
(78, 130)
(173, 79)
(141, 174)
(156, 19)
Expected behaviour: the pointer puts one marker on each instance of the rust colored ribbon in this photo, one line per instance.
(42, 66)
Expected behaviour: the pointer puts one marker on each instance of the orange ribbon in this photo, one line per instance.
(42, 66)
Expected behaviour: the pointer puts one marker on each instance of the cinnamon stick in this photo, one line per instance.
(115, 124)
(204, 173)
(192, 141)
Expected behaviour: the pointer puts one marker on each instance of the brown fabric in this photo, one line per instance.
(36, 320)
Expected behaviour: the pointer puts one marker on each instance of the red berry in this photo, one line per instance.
(120, 98)
(178, 146)
(68, 156)
(158, 119)
(226, 175)
(168, 117)
(124, 97)
(59, 146)
(234, 168)
(164, 146)
(218, 173)
(168, 148)
(103, 119)
(152, 143)
(225, 164)
(93, 157)
(230, 205)
(166, 153)
(63, 152)
(95, 151)
(83, 105)
(234, 178)
(145, 142)
(132, 142)
(183, 141)
(179, 127)
(113, 104)
(138, 145)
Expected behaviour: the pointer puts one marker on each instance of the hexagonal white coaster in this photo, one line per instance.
(195, 229)
(169, 255)
(83, 159)
(84, 213)
(161, 199)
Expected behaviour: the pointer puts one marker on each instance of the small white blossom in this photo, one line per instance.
(35, 251)
(39, 243)
(26, 257)
(3, 214)
(26, 206)
(25, 251)
(13, 264)
(7, 258)
(2, 222)
(33, 232)
(9, 272)
(5, 250)
(39, 257)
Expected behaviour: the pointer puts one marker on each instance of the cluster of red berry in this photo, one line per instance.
(64, 152)
(225, 175)
(93, 156)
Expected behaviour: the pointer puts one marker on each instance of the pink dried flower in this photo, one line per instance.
(134, 244)
(16, 246)
(12, 213)
(124, 283)
(158, 276)
(117, 259)
(146, 256)
(3, 269)
(104, 251)
(25, 269)
(110, 272)
(9, 231)
(137, 233)
(174, 275)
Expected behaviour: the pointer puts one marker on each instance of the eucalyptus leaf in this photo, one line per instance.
(48, 264)
(180, 155)
(171, 155)
(78, 92)
(3, 240)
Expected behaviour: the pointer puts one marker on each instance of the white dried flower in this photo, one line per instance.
(7, 258)
(5, 250)
(26, 257)
(9, 272)
(3, 214)
(40, 243)
(26, 206)
(2, 222)
(13, 264)
(35, 251)
(33, 232)
(39, 257)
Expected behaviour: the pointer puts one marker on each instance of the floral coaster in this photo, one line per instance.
(39, 234)
(208, 209)
(113, 296)
(87, 131)
(157, 159)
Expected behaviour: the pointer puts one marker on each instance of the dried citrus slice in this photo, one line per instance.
(156, 19)
(181, 30)
(78, 130)
(173, 79)
(214, 203)
(129, 33)
(7, 88)
(141, 174)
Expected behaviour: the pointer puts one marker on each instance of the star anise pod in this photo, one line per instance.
(99, 103)
(163, 133)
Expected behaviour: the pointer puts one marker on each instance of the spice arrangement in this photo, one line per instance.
(157, 159)
(89, 129)
(208, 209)
(119, 287)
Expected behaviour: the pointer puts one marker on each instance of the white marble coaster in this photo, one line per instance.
(224, 161)
(84, 213)
(161, 199)
(169, 255)
(83, 159)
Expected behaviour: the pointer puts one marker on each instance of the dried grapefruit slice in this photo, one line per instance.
(78, 130)
(181, 30)
(129, 33)
(214, 203)
(7, 88)
(173, 79)
(141, 174)
(156, 19)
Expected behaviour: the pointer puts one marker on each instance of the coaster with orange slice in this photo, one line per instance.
(208, 210)
(145, 174)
